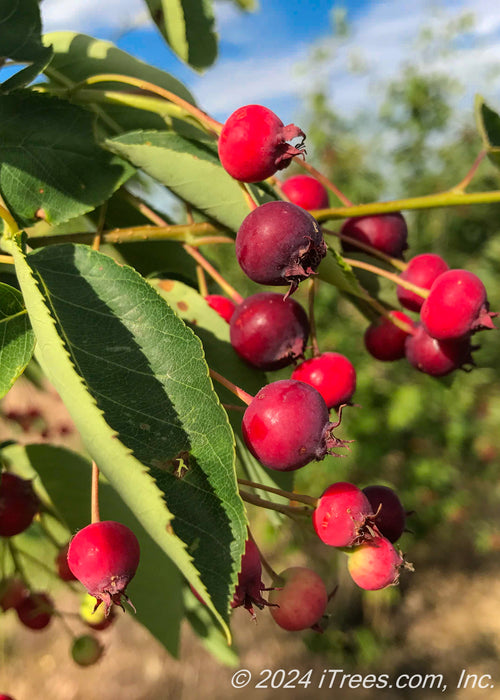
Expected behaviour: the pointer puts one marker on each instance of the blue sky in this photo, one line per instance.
(259, 52)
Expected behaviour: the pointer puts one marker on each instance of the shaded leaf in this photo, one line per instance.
(488, 124)
(17, 340)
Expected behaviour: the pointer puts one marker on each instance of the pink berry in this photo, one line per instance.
(332, 374)
(390, 515)
(249, 589)
(437, 357)
(279, 244)
(18, 504)
(12, 593)
(306, 192)
(385, 341)
(456, 306)
(341, 516)
(269, 332)
(300, 599)
(253, 144)
(36, 610)
(422, 270)
(287, 426)
(222, 305)
(104, 557)
(86, 650)
(387, 233)
(375, 564)
(63, 570)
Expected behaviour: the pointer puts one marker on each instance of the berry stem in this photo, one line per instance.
(232, 407)
(202, 282)
(240, 393)
(7, 259)
(312, 322)
(19, 569)
(389, 275)
(461, 187)
(94, 508)
(230, 291)
(324, 180)
(252, 204)
(398, 264)
(290, 495)
(291, 511)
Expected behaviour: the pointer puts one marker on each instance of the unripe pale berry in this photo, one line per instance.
(422, 270)
(342, 514)
(332, 374)
(385, 341)
(95, 619)
(86, 650)
(279, 244)
(253, 144)
(387, 233)
(375, 564)
(300, 599)
(306, 192)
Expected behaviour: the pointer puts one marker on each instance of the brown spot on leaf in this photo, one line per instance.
(182, 306)
(167, 285)
(40, 214)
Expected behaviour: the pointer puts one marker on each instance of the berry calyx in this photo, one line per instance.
(387, 233)
(104, 557)
(389, 513)
(279, 244)
(61, 561)
(18, 504)
(385, 341)
(332, 374)
(342, 515)
(456, 306)
(274, 434)
(249, 588)
(300, 598)
(253, 144)
(96, 619)
(86, 650)
(269, 332)
(438, 357)
(306, 192)
(422, 270)
(376, 564)
(222, 305)
(36, 610)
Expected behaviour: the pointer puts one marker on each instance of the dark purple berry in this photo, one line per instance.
(437, 357)
(385, 341)
(390, 515)
(387, 233)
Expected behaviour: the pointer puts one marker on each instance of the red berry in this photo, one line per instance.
(269, 332)
(306, 192)
(36, 611)
(86, 650)
(18, 504)
(300, 599)
(341, 515)
(279, 244)
(387, 233)
(12, 593)
(422, 270)
(437, 357)
(222, 305)
(63, 570)
(375, 564)
(248, 590)
(104, 557)
(390, 515)
(332, 374)
(385, 341)
(253, 143)
(287, 426)
(456, 306)
(5, 697)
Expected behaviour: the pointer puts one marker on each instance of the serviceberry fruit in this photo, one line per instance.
(287, 425)
(342, 515)
(389, 513)
(36, 610)
(104, 557)
(456, 306)
(279, 244)
(12, 593)
(306, 192)
(332, 374)
(61, 561)
(96, 619)
(248, 590)
(18, 504)
(253, 144)
(86, 650)
(269, 332)
(387, 233)
(384, 340)
(438, 357)
(422, 270)
(300, 599)
(222, 305)
(375, 564)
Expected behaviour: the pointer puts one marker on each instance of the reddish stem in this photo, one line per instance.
(312, 321)
(94, 507)
(324, 181)
(389, 275)
(290, 495)
(240, 393)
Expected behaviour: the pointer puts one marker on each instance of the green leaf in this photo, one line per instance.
(488, 124)
(156, 589)
(210, 635)
(336, 271)
(191, 169)
(20, 40)
(135, 381)
(188, 27)
(50, 165)
(17, 340)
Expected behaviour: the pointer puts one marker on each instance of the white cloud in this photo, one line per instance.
(85, 15)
